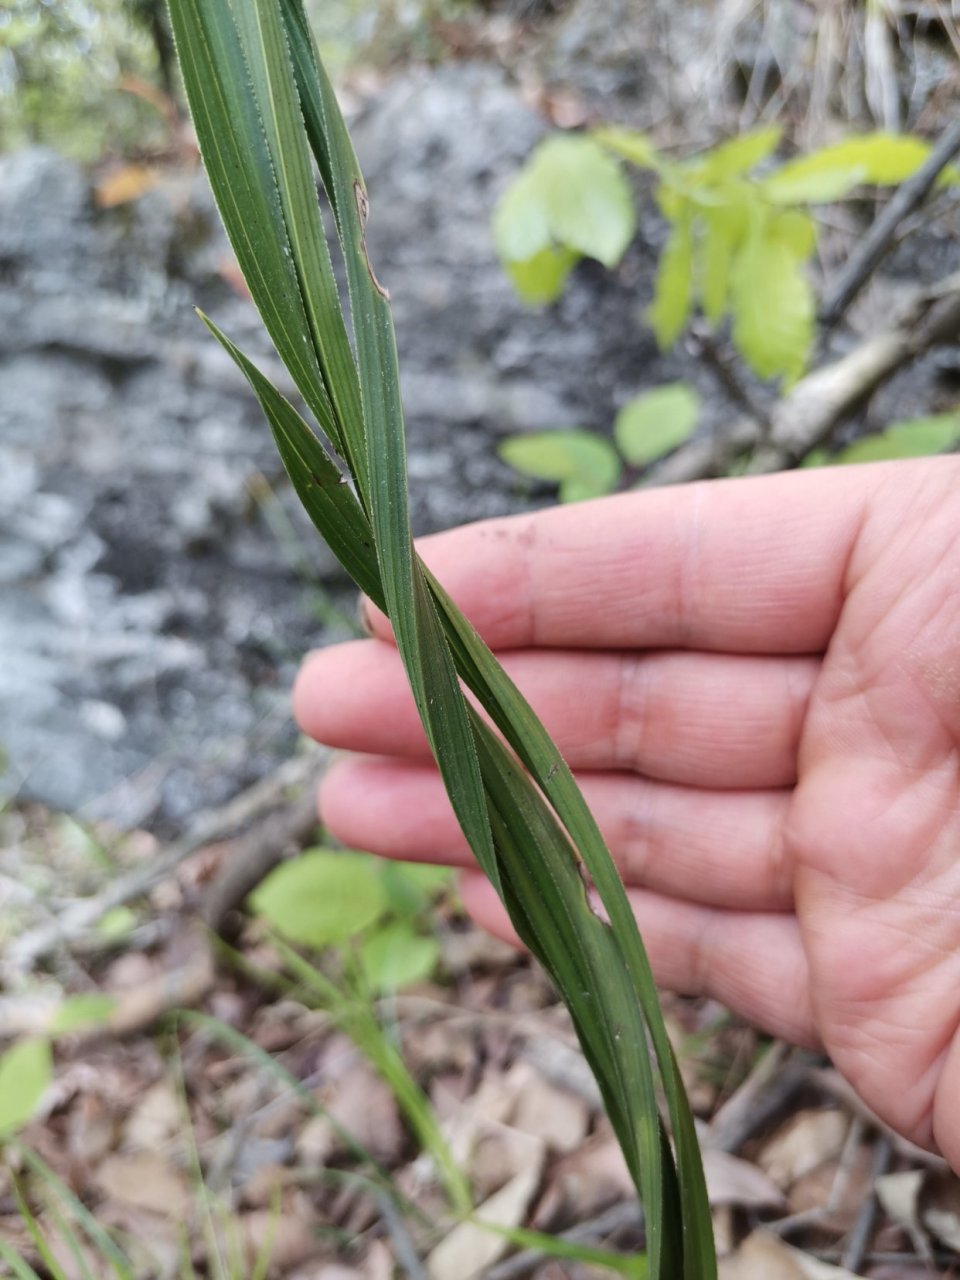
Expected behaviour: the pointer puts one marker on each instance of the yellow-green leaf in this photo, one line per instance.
(738, 156)
(521, 228)
(673, 289)
(722, 227)
(540, 279)
(585, 196)
(396, 956)
(583, 465)
(411, 886)
(796, 229)
(26, 1071)
(772, 307)
(117, 923)
(656, 422)
(321, 897)
(89, 1010)
(913, 438)
(633, 146)
(880, 159)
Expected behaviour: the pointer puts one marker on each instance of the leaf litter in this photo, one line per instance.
(183, 1147)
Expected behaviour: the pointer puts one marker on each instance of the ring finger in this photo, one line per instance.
(718, 848)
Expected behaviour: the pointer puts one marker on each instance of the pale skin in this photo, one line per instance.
(757, 683)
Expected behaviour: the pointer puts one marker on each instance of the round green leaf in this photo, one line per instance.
(584, 465)
(520, 225)
(656, 422)
(411, 886)
(585, 196)
(117, 923)
(25, 1072)
(396, 957)
(913, 438)
(321, 897)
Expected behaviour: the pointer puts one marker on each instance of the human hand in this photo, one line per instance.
(757, 683)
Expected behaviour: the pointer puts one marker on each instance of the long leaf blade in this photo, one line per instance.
(602, 973)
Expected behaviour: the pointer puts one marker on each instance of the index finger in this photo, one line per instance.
(751, 565)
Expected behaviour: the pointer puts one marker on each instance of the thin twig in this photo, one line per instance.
(773, 1081)
(809, 414)
(404, 1251)
(727, 374)
(256, 855)
(847, 1164)
(870, 251)
(856, 1248)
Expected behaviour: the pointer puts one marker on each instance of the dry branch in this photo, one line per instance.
(870, 251)
(253, 858)
(810, 413)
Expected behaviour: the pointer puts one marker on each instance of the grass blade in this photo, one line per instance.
(100, 1238)
(20, 1270)
(360, 1024)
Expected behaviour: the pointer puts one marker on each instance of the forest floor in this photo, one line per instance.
(217, 1118)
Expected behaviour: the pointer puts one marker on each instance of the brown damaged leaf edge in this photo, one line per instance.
(363, 209)
(265, 113)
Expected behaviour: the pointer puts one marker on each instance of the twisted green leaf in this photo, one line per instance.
(261, 101)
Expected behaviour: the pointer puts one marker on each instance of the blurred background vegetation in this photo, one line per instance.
(94, 78)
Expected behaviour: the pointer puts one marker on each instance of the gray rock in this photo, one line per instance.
(159, 579)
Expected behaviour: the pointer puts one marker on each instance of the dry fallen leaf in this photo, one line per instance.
(289, 1239)
(500, 1155)
(764, 1256)
(91, 1129)
(585, 1183)
(75, 1261)
(807, 1140)
(940, 1211)
(491, 1104)
(555, 1115)
(316, 1142)
(363, 1105)
(469, 1250)
(731, 1180)
(145, 1180)
(123, 184)
(924, 1202)
(378, 1264)
(155, 1119)
(153, 1244)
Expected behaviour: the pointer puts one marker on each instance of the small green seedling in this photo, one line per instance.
(585, 465)
(374, 912)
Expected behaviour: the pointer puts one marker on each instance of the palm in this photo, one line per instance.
(873, 830)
